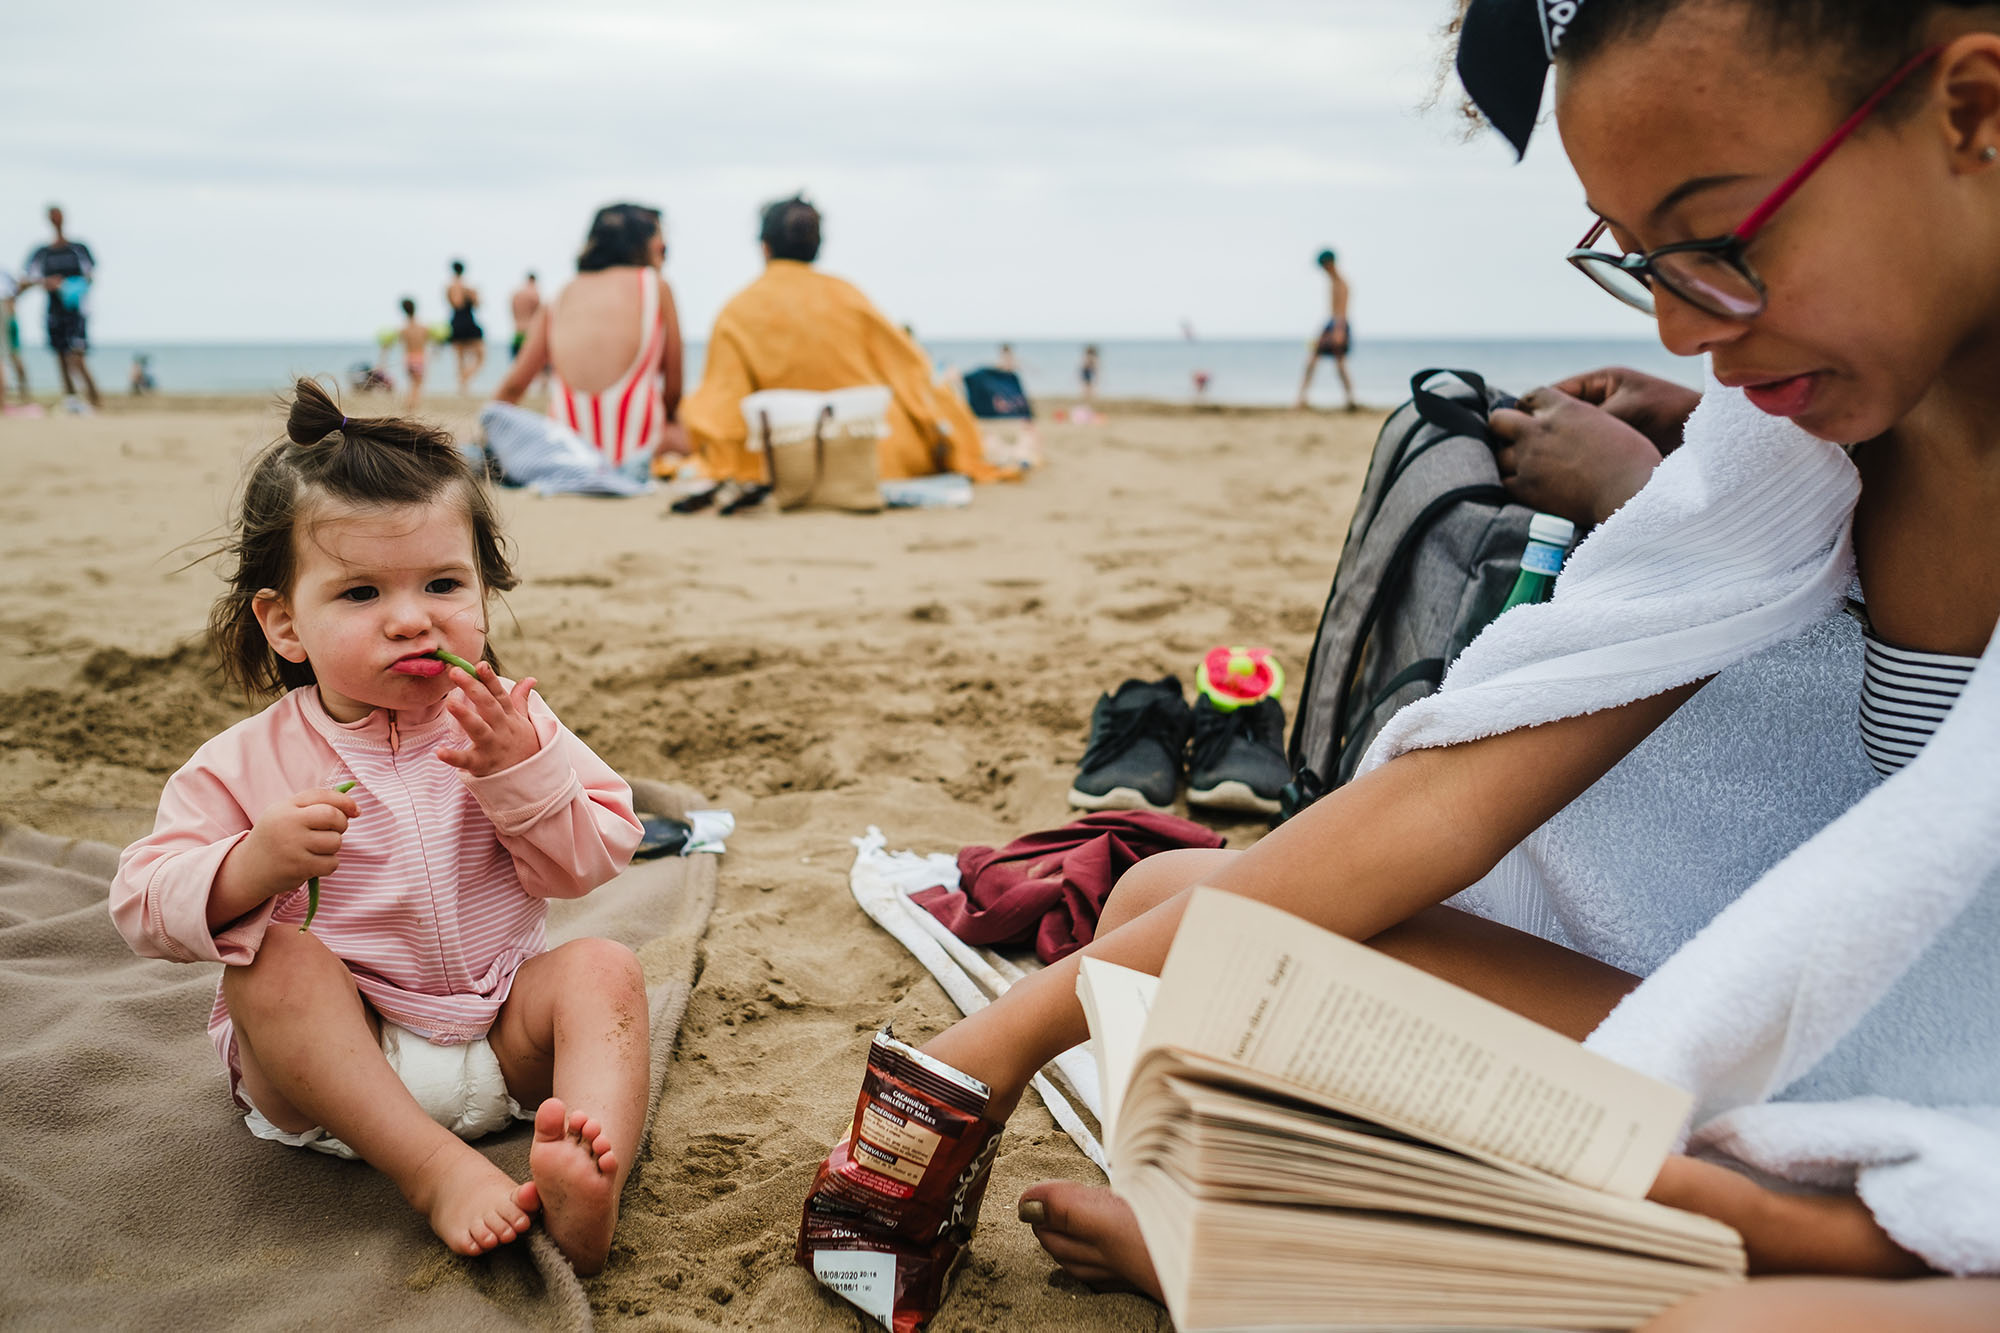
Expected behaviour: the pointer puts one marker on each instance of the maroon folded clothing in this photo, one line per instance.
(1049, 887)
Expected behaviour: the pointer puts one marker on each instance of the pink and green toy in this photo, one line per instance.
(1235, 678)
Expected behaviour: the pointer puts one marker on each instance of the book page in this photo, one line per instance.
(1116, 1002)
(1335, 1022)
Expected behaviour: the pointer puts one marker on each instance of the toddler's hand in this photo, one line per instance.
(498, 731)
(295, 840)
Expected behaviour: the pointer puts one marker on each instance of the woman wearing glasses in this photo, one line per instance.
(1808, 193)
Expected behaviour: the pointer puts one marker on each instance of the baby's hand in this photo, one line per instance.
(498, 731)
(296, 839)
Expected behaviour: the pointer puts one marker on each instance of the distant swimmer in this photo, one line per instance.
(468, 340)
(416, 341)
(1336, 336)
(527, 302)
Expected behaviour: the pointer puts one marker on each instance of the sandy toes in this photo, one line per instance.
(1092, 1234)
(473, 1205)
(576, 1175)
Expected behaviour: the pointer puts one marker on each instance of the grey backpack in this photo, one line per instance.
(1432, 553)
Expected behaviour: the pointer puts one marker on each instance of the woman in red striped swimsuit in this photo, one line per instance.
(612, 344)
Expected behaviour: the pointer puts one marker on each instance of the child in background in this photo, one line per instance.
(438, 811)
(416, 341)
(9, 289)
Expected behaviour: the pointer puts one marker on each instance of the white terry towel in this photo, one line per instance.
(1741, 541)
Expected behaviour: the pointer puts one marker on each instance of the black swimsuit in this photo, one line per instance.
(464, 327)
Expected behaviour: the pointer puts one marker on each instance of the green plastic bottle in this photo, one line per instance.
(1548, 543)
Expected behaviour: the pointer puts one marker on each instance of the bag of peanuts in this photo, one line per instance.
(893, 1205)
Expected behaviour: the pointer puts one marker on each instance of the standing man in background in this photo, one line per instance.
(65, 267)
(527, 301)
(1336, 337)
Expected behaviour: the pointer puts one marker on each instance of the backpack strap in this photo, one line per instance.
(1447, 414)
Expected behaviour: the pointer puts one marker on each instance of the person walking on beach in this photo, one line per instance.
(65, 269)
(468, 340)
(526, 302)
(1087, 373)
(1336, 336)
(416, 341)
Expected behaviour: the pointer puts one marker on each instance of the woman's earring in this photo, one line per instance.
(1989, 154)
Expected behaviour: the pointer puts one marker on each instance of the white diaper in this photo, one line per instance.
(460, 1086)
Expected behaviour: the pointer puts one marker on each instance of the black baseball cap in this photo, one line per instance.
(1505, 48)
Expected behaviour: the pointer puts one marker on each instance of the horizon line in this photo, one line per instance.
(128, 341)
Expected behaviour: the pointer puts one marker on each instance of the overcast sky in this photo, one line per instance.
(1094, 168)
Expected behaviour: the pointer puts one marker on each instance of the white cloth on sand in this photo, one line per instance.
(1805, 963)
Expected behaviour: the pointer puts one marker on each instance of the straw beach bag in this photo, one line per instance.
(820, 449)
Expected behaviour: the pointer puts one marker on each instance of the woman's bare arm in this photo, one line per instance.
(671, 353)
(530, 363)
(1365, 858)
(1787, 1233)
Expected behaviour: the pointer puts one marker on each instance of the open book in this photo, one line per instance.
(1313, 1134)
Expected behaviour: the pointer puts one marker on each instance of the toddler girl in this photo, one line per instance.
(436, 811)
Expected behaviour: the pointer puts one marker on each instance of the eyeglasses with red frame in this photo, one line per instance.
(1714, 275)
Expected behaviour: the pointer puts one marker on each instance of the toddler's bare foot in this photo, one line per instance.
(1092, 1234)
(471, 1203)
(576, 1173)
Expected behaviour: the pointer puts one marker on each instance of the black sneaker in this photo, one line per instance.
(1237, 760)
(1136, 739)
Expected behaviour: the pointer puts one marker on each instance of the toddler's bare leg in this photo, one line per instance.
(310, 1055)
(573, 1037)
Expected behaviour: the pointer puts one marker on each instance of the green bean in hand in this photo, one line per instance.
(312, 885)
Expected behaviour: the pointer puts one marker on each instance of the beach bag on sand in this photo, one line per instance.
(1432, 553)
(820, 449)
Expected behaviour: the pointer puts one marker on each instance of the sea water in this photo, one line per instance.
(1240, 372)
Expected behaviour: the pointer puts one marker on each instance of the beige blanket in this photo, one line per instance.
(131, 1195)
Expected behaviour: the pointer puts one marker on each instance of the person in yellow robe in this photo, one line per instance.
(798, 328)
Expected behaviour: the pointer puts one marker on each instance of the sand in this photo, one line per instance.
(931, 673)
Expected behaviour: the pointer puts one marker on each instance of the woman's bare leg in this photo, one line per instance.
(1091, 1233)
(1364, 858)
(1840, 1305)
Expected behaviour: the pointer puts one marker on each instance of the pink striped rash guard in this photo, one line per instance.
(443, 880)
